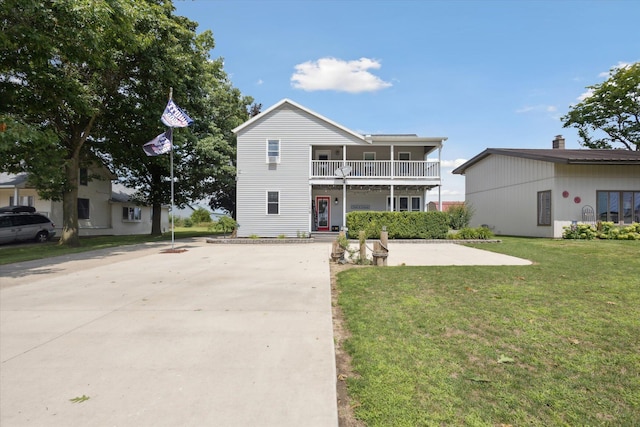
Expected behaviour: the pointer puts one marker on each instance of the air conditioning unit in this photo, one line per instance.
(273, 159)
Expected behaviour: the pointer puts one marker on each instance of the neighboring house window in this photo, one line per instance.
(22, 201)
(273, 202)
(273, 151)
(84, 176)
(544, 207)
(130, 213)
(83, 208)
(618, 206)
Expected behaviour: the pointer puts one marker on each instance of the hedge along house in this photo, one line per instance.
(537, 192)
(299, 172)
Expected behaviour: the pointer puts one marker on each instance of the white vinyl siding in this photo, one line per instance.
(503, 192)
(297, 131)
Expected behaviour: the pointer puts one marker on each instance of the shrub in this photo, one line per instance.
(602, 230)
(200, 215)
(400, 225)
(459, 216)
(176, 220)
(225, 224)
(187, 222)
(480, 233)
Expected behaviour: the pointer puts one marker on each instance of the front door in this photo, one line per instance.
(323, 204)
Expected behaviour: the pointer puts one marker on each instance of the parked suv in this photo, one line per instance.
(22, 223)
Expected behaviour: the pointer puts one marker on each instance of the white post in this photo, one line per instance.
(171, 161)
(440, 175)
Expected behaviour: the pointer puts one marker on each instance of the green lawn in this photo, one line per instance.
(27, 252)
(551, 344)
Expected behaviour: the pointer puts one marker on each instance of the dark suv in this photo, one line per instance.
(18, 223)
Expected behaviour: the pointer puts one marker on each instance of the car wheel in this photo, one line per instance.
(42, 237)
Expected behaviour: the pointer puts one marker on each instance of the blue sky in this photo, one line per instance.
(482, 73)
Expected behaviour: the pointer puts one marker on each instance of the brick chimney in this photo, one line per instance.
(558, 143)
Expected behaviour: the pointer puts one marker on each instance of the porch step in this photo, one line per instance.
(324, 236)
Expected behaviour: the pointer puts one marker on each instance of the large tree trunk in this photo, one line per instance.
(70, 232)
(156, 220)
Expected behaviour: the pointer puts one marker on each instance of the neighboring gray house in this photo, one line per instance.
(104, 207)
(299, 172)
(536, 192)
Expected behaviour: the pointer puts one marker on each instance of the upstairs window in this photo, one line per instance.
(84, 176)
(273, 151)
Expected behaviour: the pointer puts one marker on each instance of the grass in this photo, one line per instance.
(555, 343)
(27, 252)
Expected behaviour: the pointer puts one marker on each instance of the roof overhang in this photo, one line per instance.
(568, 157)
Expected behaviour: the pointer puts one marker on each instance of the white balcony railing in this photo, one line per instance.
(377, 168)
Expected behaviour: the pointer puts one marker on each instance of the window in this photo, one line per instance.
(369, 155)
(130, 213)
(273, 151)
(403, 204)
(618, 206)
(22, 201)
(404, 156)
(273, 202)
(544, 207)
(84, 176)
(83, 208)
(416, 204)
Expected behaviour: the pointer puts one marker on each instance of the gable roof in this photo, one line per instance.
(10, 180)
(568, 157)
(286, 101)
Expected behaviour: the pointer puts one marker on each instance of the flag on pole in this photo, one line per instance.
(161, 144)
(174, 117)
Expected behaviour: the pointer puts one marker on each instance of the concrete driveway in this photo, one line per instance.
(218, 335)
(231, 335)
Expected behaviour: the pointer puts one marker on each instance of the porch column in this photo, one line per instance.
(310, 201)
(344, 202)
(16, 201)
(393, 201)
(392, 163)
(440, 175)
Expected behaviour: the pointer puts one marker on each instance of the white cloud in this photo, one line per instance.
(585, 95)
(336, 74)
(259, 82)
(537, 109)
(606, 74)
(452, 163)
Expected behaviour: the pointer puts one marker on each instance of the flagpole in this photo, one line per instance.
(171, 157)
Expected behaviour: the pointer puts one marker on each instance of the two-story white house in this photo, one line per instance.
(299, 172)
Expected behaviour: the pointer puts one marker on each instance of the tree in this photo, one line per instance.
(60, 63)
(610, 114)
(87, 78)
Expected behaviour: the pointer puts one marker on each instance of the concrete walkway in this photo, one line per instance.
(218, 335)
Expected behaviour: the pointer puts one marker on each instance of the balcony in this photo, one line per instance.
(371, 169)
